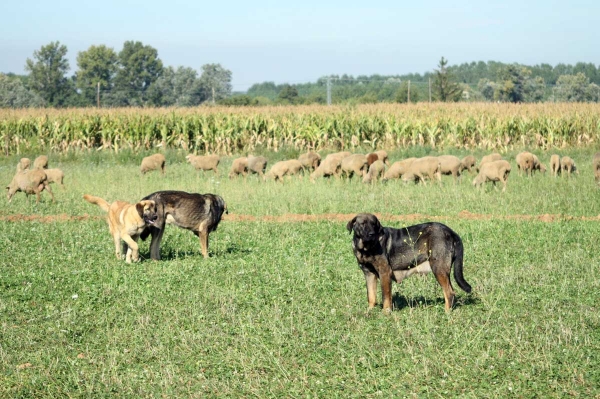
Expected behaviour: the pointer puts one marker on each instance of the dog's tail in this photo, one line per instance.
(98, 201)
(457, 260)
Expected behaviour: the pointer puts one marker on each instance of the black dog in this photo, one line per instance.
(394, 254)
(200, 213)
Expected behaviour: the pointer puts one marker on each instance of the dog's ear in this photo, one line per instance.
(350, 225)
(139, 207)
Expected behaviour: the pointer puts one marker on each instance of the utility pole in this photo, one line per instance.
(408, 93)
(429, 89)
(329, 90)
(98, 96)
(213, 94)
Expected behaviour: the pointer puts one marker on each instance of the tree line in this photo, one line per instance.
(135, 76)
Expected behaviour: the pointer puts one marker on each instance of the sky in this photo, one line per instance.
(299, 42)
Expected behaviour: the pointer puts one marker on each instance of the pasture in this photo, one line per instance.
(280, 309)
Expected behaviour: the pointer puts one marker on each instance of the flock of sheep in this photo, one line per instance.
(34, 180)
(371, 167)
(376, 166)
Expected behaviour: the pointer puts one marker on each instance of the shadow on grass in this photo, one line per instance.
(167, 253)
(400, 302)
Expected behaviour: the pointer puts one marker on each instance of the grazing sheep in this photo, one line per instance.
(525, 162)
(493, 171)
(355, 164)
(376, 170)
(204, 162)
(537, 165)
(372, 157)
(23, 164)
(239, 167)
(153, 162)
(450, 165)
(423, 167)
(257, 165)
(398, 169)
(40, 162)
(284, 168)
(55, 176)
(30, 182)
(489, 158)
(310, 161)
(330, 166)
(568, 165)
(555, 164)
(383, 157)
(596, 166)
(468, 163)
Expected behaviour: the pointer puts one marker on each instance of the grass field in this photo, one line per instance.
(280, 310)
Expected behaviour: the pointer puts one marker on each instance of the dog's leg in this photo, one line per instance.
(203, 235)
(133, 253)
(117, 240)
(47, 187)
(371, 280)
(157, 233)
(444, 280)
(385, 276)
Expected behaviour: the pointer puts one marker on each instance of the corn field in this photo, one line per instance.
(227, 130)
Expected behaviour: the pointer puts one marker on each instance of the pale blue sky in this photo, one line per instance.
(271, 41)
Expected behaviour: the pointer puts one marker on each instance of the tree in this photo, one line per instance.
(511, 84)
(97, 65)
(288, 94)
(179, 87)
(215, 82)
(13, 94)
(139, 67)
(574, 88)
(47, 72)
(444, 86)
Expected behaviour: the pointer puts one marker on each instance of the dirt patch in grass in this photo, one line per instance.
(334, 217)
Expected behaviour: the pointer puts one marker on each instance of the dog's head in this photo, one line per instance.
(147, 211)
(367, 230)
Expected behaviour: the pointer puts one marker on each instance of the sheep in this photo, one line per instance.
(330, 166)
(525, 162)
(284, 168)
(239, 167)
(23, 164)
(450, 165)
(468, 163)
(153, 162)
(398, 169)
(376, 170)
(568, 165)
(555, 164)
(383, 157)
(204, 162)
(310, 160)
(372, 157)
(257, 165)
(423, 167)
(489, 158)
(30, 182)
(354, 164)
(596, 166)
(537, 165)
(55, 176)
(40, 162)
(493, 171)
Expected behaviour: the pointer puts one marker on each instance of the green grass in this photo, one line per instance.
(280, 309)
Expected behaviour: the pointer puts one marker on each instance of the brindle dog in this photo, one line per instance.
(392, 254)
(200, 213)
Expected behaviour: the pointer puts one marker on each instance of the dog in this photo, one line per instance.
(200, 213)
(126, 222)
(392, 254)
